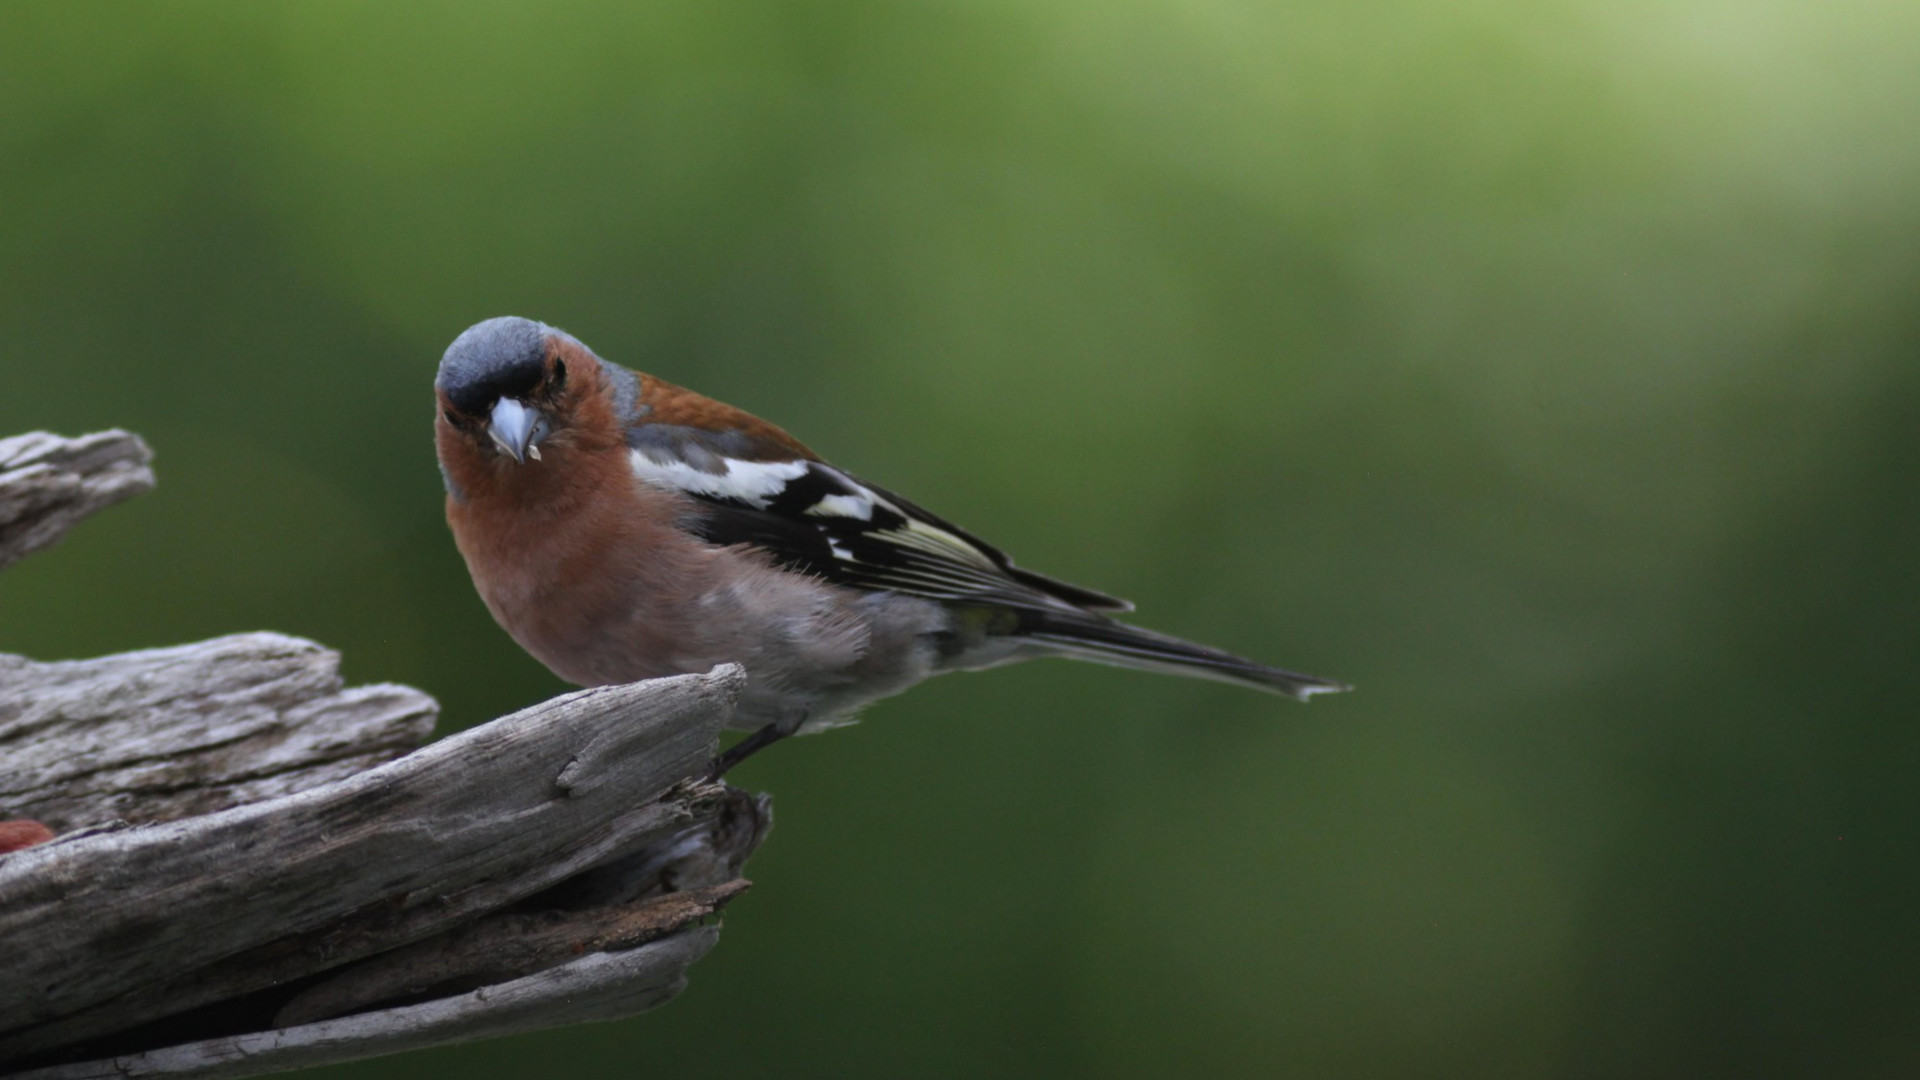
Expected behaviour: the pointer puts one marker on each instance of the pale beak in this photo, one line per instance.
(517, 429)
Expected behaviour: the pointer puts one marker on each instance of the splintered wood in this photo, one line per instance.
(257, 868)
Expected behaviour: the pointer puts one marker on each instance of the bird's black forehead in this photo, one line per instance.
(504, 357)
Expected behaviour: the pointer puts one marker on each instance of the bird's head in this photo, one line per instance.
(527, 409)
(506, 386)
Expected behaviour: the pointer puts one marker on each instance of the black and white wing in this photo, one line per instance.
(811, 517)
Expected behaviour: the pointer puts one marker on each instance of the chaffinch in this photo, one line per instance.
(620, 527)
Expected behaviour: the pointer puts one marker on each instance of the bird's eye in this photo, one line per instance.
(451, 418)
(559, 375)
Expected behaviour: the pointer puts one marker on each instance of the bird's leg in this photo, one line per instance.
(749, 746)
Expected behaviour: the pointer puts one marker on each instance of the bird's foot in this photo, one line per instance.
(747, 747)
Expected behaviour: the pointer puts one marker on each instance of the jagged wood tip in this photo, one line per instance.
(48, 483)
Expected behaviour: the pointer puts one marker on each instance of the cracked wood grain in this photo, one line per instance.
(380, 924)
(598, 986)
(161, 734)
(239, 841)
(48, 483)
(465, 825)
(502, 947)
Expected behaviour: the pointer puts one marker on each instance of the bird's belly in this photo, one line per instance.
(898, 648)
(594, 604)
(588, 645)
(814, 653)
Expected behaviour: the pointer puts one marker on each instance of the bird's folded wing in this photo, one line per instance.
(811, 517)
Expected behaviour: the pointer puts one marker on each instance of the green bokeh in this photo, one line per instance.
(1549, 370)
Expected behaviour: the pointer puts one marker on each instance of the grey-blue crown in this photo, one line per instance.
(503, 357)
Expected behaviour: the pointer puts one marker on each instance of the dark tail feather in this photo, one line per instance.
(1092, 637)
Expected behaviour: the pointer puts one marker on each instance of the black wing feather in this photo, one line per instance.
(899, 546)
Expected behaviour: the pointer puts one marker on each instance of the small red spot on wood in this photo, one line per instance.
(22, 833)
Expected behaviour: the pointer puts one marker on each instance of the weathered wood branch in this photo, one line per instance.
(168, 733)
(48, 483)
(498, 947)
(459, 828)
(599, 986)
(255, 874)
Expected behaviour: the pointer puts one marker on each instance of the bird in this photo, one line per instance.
(620, 527)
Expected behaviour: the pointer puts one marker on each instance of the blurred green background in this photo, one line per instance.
(1548, 370)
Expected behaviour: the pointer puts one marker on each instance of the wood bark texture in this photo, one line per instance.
(257, 869)
(161, 734)
(599, 986)
(48, 483)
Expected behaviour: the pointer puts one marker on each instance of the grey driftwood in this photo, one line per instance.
(258, 871)
(161, 734)
(47, 484)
